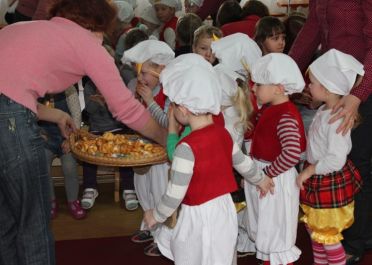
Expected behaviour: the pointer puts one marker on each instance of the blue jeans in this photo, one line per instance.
(25, 235)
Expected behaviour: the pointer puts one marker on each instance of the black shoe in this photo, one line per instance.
(353, 259)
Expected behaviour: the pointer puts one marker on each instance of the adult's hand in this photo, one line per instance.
(346, 108)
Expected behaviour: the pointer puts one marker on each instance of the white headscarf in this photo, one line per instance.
(190, 81)
(156, 51)
(237, 52)
(149, 15)
(337, 71)
(125, 11)
(133, 3)
(278, 68)
(172, 3)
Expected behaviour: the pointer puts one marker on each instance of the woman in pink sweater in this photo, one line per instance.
(42, 57)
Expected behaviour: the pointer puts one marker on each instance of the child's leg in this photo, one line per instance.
(335, 254)
(127, 175)
(319, 253)
(70, 173)
(89, 176)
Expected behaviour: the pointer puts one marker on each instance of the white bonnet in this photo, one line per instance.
(133, 3)
(337, 71)
(189, 80)
(157, 51)
(236, 49)
(172, 3)
(278, 68)
(149, 15)
(125, 11)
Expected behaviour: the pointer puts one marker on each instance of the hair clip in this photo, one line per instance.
(215, 38)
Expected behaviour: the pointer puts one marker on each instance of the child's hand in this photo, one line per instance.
(66, 147)
(173, 125)
(145, 92)
(265, 186)
(149, 219)
(304, 175)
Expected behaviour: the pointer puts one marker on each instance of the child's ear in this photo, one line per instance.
(183, 110)
(279, 89)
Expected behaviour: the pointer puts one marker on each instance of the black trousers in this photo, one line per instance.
(361, 154)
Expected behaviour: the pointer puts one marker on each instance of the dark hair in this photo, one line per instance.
(293, 25)
(186, 26)
(255, 7)
(94, 15)
(229, 11)
(267, 27)
(134, 36)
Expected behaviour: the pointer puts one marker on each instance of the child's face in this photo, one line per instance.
(179, 114)
(148, 75)
(164, 13)
(317, 90)
(190, 8)
(264, 93)
(274, 43)
(203, 48)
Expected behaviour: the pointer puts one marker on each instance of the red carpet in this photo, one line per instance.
(120, 250)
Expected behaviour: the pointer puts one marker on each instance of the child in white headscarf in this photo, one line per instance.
(150, 57)
(166, 13)
(330, 180)
(201, 176)
(277, 144)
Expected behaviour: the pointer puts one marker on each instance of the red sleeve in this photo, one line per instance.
(365, 88)
(307, 40)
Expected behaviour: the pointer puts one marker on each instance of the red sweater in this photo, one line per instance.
(345, 25)
(213, 174)
(247, 26)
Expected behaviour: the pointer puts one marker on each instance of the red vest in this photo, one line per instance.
(170, 24)
(213, 173)
(266, 143)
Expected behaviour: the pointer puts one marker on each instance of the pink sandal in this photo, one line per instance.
(76, 210)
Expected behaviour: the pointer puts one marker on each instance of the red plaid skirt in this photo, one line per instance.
(332, 190)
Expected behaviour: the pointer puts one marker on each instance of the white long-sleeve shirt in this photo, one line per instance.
(326, 148)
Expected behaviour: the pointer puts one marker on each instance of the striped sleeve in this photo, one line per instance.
(246, 166)
(158, 114)
(180, 177)
(289, 136)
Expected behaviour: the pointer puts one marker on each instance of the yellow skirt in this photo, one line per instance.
(327, 224)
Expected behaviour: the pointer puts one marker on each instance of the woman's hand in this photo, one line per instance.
(146, 93)
(149, 219)
(346, 108)
(66, 147)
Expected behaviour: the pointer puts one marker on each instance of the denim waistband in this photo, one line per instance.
(8, 105)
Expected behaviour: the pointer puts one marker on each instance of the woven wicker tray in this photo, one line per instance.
(126, 161)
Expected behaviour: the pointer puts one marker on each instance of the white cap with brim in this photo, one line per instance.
(190, 81)
(337, 71)
(278, 68)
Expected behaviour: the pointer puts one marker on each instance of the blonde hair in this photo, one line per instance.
(242, 103)
(206, 31)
